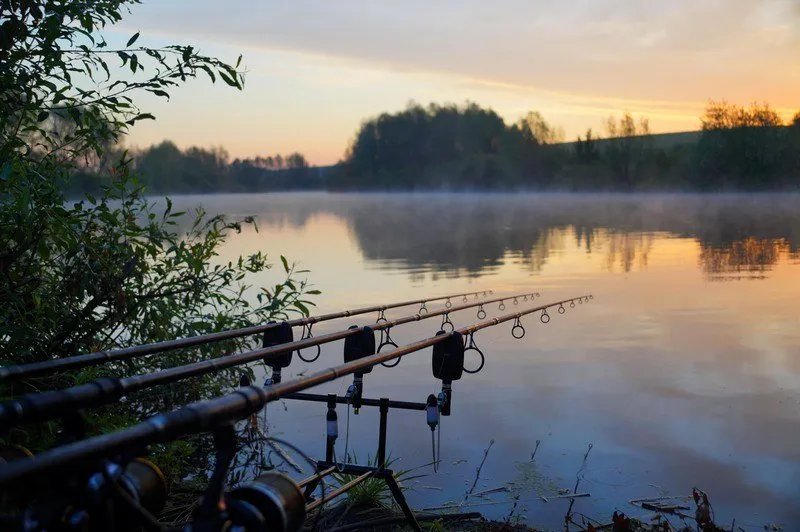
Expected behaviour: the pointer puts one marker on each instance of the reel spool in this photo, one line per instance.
(272, 502)
(114, 499)
(145, 483)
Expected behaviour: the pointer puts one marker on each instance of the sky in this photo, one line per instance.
(317, 69)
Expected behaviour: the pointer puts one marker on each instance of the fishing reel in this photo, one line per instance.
(357, 346)
(113, 499)
(282, 334)
(272, 502)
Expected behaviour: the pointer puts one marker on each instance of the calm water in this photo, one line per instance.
(683, 371)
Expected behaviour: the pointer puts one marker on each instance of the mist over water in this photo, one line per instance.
(683, 371)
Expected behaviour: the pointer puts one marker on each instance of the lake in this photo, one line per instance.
(684, 370)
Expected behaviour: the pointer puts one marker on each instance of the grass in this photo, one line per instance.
(374, 492)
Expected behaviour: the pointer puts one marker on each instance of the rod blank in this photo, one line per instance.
(102, 357)
(106, 390)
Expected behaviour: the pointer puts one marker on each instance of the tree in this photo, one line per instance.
(586, 149)
(111, 270)
(535, 127)
(740, 147)
(627, 147)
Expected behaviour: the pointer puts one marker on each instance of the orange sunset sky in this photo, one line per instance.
(316, 69)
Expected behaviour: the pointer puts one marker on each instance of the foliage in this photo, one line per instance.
(165, 168)
(743, 147)
(55, 61)
(452, 147)
(586, 149)
(468, 147)
(627, 148)
(111, 270)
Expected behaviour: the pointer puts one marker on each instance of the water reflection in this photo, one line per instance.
(453, 235)
(677, 380)
(749, 258)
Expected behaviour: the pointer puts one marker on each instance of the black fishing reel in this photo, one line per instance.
(272, 502)
(358, 346)
(282, 334)
(119, 498)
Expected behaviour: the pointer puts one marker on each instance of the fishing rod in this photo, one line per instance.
(45, 405)
(127, 492)
(204, 416)
(36, 369)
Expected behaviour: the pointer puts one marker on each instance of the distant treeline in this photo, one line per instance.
(468, 147)
(165, 168)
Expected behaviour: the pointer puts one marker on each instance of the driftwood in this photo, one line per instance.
(565, 496)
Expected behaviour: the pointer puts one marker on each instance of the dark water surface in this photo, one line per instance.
(683, 371)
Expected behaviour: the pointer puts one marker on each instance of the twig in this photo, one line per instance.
(658, 508)
(654, 499)
(288, 459)
(467, 505)
(533, 454)
(565, 496)
(488, 492)
(568, 515)
(478, 471)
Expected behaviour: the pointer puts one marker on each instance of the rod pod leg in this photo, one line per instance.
(400, 499)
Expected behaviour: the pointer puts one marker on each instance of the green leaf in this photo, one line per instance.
(209, 72)
(229, 80)
(133, 39)
(44, 250)
(143, 116)
(134, 63)
(42, 116)
(285, 263)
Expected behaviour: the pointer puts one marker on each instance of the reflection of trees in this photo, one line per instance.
(626, 249)
(749, 258)
(471, 234)
(475, 234)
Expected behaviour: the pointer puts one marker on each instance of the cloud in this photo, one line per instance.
(682, 50)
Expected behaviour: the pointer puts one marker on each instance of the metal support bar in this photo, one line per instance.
(319, 398)
(400, 499)
(330, 442)
(384, 406)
